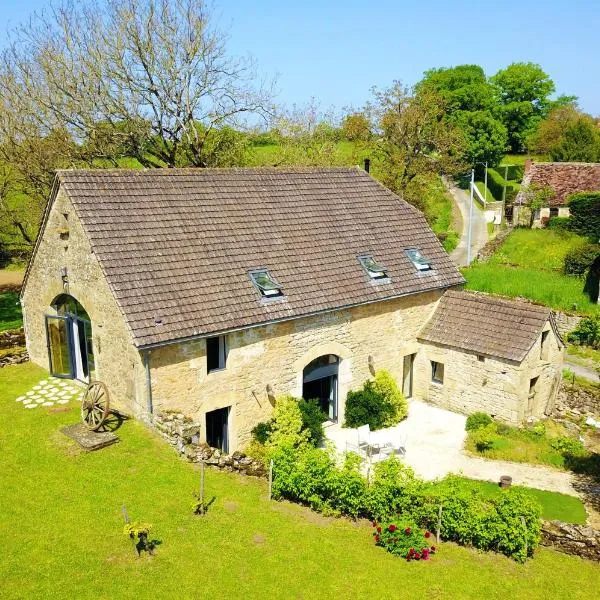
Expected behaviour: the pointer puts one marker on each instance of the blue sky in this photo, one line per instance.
(335, 50)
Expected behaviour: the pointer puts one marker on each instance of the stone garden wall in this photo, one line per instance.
(572, 539)
(575, 400)
(184, 435)
(12, 347)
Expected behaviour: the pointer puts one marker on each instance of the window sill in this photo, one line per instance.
(437, 383)
(220, 370)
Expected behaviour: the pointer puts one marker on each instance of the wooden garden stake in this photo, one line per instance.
(201, 487)
(525, 531)
(125, 514)
(439, 526)
(270, 479)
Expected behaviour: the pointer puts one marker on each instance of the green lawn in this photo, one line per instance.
(554, 505)
(529, 264)
(61, 527)
(10, 311)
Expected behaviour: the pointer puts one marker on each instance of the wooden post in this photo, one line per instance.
(525, 534)
(270, 479)
(125, 514)
(439, 526)
(201, 487)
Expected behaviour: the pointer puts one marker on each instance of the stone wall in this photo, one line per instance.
(572, 539)
(12, 347)
(374, 336)
(497, 386)
(576, 400)
(493, 244)
(565, 323)
(64, 244)
(184, 435)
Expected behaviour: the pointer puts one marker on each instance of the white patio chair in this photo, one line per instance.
(362, 446)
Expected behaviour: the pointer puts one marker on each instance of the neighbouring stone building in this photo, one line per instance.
(564, 179)
(213, 292)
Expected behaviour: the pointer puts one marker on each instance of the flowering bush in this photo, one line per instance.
(405, 540)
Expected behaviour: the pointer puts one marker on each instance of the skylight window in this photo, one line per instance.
(374, 270)
(265, 284)
(421, 262)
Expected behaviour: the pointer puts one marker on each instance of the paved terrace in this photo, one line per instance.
(434, 448)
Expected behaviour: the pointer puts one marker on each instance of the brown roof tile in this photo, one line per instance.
(177, 244)
(486, 325)
(564, 178)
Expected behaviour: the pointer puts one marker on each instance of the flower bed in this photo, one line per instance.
(405, 540)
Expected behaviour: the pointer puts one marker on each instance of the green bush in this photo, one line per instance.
(585, 214)
(578, 260)
(262, 431)
(405, 539)
(386, 386)
(587, 332)
(560, 223)
(379, 403)
(287, 426)
(312, 419)
(568, 446)
(477, 420)
(496, 184)
(484, 438)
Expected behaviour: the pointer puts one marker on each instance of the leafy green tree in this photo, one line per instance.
(580, 142)
(470, 102)
(524, 90)
(356, 127)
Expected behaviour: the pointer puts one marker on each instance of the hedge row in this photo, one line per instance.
(496, 185)
(509, 523)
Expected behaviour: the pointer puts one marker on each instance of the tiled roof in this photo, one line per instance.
(176, 245)
(564, 178)
(486, 325)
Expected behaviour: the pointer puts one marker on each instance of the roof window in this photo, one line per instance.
(374, 270)
(421, 262)
(265, 284)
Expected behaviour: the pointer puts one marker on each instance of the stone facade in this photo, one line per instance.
(499, 387)
(374, 336)
(64, 244)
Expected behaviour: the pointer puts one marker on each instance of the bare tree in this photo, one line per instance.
(150, 77)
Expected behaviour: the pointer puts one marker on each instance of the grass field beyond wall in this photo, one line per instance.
(62, 530)
(529, 264)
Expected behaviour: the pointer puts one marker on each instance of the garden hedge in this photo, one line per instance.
(585, 214)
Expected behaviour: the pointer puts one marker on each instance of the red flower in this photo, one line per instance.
(392, 528)
(374, 523)
(408, 531)
(379, 530)
(427, 534)
(377, 538)
(433, 548)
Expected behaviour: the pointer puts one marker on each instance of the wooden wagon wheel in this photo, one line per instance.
(95, 405)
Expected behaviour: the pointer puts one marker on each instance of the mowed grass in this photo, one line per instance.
(61, 528)
(529, 264)
(10, 311)
(554, 505)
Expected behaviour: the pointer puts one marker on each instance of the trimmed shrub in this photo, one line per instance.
(262, 431)
(287, 427)
(485, 437)
(379, 403)
(578, 260)
(477, 420)
(585, 214)
(560, 223)
(496, 184)
(386, 385)
(587, 332)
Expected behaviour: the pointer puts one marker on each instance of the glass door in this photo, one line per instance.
(59, 346)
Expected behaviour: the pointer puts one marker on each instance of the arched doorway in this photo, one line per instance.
(69, 334)
(320, 382)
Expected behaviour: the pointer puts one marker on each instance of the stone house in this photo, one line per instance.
(564, 179)
(212, 292)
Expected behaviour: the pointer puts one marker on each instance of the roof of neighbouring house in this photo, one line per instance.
(486, 325)
(565, 178)
(177, 245)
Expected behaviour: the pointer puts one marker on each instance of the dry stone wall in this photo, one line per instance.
(12, 347)
(184, 435)
(577, 401)
(572, 539)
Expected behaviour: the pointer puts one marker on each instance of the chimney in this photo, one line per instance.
(367, 164)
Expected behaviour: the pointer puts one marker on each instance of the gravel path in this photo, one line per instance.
(582, 371)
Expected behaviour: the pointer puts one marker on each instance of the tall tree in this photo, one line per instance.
(414, 138)
(524, 90)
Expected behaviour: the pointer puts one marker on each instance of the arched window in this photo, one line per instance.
(69, 332)
(320, 382)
